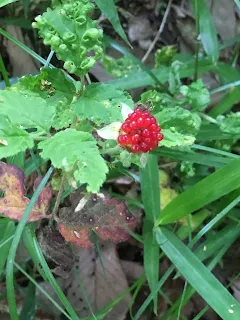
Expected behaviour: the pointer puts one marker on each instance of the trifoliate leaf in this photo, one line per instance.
(230, 123)
(196, 94)
(101, 103)
(181, 119)
(27, 110)
(77, 152)
(72, 34)
(13, 139)
(173, 138)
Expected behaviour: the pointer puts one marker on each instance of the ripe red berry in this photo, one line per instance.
(136, 138)
(135, 148)
(140, 132)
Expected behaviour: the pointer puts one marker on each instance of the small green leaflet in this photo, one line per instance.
(196, 94)
(181, 119)
(100, 103)
(173, 138)
(26, 110)
(76, 151)
(13, 139)
(230, 123)
(179, 126)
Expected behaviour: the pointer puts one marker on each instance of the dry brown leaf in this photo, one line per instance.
(100, 290)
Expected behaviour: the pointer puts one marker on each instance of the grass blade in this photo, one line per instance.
(14, 246)
(29, 305)
(52, 280)
(207, 30)
(150, 188)
(6, 2)
(225, 180)
(201, 279)
(109, 10)
(5, 243)
(151, 259)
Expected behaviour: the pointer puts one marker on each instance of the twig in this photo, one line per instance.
(160, 30)
(59, 195)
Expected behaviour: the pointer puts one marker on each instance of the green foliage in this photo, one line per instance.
(230, 123)
(121, 67)
(196, 95)
(165, 56)
(109, 10)
(72, 34)
(101, 103)
(75, 151)
(13, 139)
(53, 86)
(27, 110)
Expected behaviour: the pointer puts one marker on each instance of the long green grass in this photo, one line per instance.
(160, 238)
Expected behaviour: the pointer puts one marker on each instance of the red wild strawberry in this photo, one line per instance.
(140, 132)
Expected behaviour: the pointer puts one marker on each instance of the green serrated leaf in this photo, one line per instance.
(76, 151)
(101, 103)
(64, 115)
(72, 34)
(173, 138)
(230, 123)
(13, 139)
(53, 86)
(196, 95)
(181, 119)
(120, 67)
(26, 110)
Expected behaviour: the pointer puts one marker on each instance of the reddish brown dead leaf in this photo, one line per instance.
(106, 216)
(79, 238)
(13, 204)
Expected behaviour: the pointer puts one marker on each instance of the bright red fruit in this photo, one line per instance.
(140, 132)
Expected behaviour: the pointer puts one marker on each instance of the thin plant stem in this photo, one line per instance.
(196, 4)
(4, 72)
(160, 30)
(59, 197)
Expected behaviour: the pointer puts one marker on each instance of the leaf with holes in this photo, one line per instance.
(76, 152)
(107, 217)
(13, 139)
(101, 103)
(53, 86)
(13, 204)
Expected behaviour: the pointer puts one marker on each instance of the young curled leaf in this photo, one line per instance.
(108, 217)
(13, 204)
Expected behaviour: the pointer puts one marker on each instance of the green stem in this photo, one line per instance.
(4, 72)
(196, 4)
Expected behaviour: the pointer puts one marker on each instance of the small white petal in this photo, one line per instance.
(144, 159)
(111, 131)
(126, 110)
